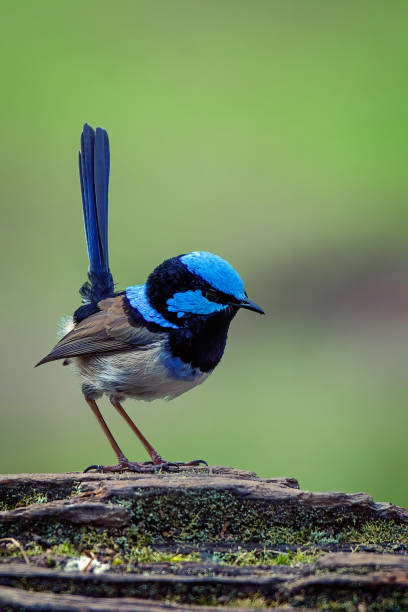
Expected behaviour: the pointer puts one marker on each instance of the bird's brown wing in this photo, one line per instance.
(107, 330)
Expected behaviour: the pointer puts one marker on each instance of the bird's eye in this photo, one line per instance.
(211, 294)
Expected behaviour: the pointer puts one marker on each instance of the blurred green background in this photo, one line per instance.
(273, 133)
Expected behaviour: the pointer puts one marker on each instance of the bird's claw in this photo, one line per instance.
(96, 467)
(194, 462)
(166, 464)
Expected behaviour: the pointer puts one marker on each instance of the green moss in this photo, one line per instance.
(31, 497)
(256, 601)
(351, 602)
(64, 549)
(378, 532)
(121, 551)
(124, 555)
(148, 555)
(212, 516)
(76, 488)
(243, 557)
(24, 494)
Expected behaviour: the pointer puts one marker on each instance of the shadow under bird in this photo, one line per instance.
(155, 340)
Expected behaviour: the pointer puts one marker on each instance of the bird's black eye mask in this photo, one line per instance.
(218, 297)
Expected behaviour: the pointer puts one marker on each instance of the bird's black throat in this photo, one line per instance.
(202, 342)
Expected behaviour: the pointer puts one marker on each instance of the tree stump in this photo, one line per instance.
(201, 538)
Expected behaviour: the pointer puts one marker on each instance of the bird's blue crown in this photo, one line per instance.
(216, 272)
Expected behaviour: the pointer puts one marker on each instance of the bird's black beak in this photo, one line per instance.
(248, 305)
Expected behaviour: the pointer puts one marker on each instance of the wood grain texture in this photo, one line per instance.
(225, 518)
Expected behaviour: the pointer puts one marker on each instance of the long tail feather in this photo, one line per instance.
(94, 176)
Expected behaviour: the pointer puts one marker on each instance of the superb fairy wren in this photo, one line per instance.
(155, 340)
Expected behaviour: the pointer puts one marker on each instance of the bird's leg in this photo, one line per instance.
(157, 461)
(156, 458)
(123, 462)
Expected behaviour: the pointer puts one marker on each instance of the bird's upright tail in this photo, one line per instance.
(94, 175)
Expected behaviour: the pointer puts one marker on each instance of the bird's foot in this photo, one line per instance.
(194, 462)
(146, 467)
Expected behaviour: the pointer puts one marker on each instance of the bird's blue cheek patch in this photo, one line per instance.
(138, 299)
(192, 302)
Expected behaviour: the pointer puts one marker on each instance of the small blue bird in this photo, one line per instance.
(150, 341)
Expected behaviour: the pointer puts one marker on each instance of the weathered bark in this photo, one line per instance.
(90, 505)
(16, 599)
(205, 535)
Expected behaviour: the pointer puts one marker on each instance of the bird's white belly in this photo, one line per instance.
(141, 374)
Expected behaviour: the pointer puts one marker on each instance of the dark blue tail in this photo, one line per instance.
(94, 175)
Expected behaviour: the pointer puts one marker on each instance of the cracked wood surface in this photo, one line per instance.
(105, 503)
(16, 599)
(91, 505)
(274, 584)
